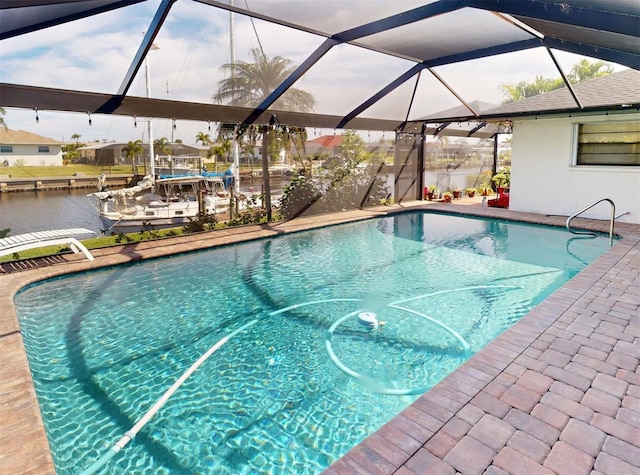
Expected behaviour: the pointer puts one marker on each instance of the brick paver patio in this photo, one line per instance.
(558, 392)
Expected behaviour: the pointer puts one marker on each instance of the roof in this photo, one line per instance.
(101, 146)
(329, 141)
(424, 35)
(22, 137)
(473, 107)
(617, 91)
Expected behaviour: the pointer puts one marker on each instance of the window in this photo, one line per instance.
(6, 149)
(43, 149)
(613, 143)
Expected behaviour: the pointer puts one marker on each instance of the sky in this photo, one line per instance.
(94, 54)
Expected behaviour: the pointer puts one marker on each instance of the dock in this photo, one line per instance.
(76, 181)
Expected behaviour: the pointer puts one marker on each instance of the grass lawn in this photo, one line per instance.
(94, 243)
(66, 170)
(92, 170)
(119, 239)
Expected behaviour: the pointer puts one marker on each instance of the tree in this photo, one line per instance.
(70, 151)
(226, 146)
(297, 141)
(584, 70)
(523, 89)
(204, 138)
(2, 122)
(353, 179)
(162, 146)
(250, 83)
(247, 148)
(132, 150)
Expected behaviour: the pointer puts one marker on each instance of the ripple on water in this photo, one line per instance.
(104, 346)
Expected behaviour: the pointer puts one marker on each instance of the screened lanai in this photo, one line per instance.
(371, 66)
(388, 69)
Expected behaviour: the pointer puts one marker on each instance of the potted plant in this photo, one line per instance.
(471, 192)
(457, 193)
(485, 190)
(433, 193)
(502, 178)
(428, 193)
(447, 196)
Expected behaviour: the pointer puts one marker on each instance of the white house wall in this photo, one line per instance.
(545, 180)
(27, 155)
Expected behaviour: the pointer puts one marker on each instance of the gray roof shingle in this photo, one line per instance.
(613, 90)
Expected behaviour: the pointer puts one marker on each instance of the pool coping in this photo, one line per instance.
(506, 388)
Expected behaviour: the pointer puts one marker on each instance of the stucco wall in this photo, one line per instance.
(544, 179)
(28, 155)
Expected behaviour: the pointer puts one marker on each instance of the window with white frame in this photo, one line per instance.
(43, 149)
(6, 149)
(610, 143)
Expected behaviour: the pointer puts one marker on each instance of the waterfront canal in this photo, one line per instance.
(29, 211)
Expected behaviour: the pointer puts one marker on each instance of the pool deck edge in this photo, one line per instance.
(557, 392)
(554, 356)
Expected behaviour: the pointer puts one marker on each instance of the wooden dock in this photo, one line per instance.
(8, 184)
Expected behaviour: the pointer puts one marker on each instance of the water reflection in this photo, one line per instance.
(24, 212)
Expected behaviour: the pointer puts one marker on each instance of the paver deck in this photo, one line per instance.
(558, 392)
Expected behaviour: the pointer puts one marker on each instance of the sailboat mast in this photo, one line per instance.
(236, 153)
(152, 169)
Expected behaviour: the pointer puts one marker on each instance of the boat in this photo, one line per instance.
(177, 165)
(168, 202)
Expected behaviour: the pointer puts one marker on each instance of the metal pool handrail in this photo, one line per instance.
(590, 233)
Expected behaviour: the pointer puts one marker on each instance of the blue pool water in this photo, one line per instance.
(305, 381)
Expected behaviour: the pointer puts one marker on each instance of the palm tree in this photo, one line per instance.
(585, 70)
(297, 140)
(251, 83)
(132, 150)
(581, 71)
(523, 89)
(221, 148)
(162, 146)
(76, 137)
(225, 146)
(2, 122)
(204, 138)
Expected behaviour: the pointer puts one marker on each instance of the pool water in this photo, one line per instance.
(306, 381)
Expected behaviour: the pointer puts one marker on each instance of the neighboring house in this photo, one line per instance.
(328, 145)
(106, 154)
(101, 154)
(184, 150)
(22, 148)
(324, 146)
(565, 159)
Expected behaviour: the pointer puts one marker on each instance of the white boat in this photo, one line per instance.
(139, 207)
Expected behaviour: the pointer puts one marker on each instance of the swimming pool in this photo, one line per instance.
(103, 346)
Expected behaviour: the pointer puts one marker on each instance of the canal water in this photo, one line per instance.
(29, 211)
